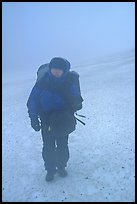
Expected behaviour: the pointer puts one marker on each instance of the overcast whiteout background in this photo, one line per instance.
(98, 39)
(33, 33)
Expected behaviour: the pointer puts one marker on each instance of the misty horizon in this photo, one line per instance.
(33, 32)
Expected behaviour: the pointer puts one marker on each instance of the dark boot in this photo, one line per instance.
(62, 172)
(49, 176)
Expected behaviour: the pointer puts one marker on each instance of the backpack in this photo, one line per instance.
(41, 71)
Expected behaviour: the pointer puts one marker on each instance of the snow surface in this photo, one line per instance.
(101, 165)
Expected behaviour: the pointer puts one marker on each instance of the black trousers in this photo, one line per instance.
(55, 151)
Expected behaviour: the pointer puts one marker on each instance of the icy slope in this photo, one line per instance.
(101, 165)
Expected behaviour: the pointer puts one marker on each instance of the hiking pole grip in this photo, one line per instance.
(83, 116)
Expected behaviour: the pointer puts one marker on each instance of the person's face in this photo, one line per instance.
(57, 72)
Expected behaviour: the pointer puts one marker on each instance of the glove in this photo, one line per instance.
(77, 107)
(35, 124)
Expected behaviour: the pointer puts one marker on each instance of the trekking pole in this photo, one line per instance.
(83, 116)
(80, 121)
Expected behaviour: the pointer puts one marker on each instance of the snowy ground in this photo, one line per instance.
(101, 165)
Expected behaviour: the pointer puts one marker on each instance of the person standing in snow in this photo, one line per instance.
(51, 106)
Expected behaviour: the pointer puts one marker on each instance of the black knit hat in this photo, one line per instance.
(59, 63)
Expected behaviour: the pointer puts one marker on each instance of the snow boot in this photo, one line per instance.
(49, 176)
(62, 172)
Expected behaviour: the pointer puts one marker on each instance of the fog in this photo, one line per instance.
(33, 33)
(98, 39)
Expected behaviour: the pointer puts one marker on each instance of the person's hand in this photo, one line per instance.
(77, 107)
(35, 124)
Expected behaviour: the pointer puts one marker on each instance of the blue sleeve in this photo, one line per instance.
(33, 102)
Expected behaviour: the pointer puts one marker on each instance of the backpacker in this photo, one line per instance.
(73, 77)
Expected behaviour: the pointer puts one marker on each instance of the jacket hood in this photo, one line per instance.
(59, 63)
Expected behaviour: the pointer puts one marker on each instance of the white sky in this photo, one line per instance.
(35, 32)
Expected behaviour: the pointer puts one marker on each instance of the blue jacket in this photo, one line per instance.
(54, 94)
